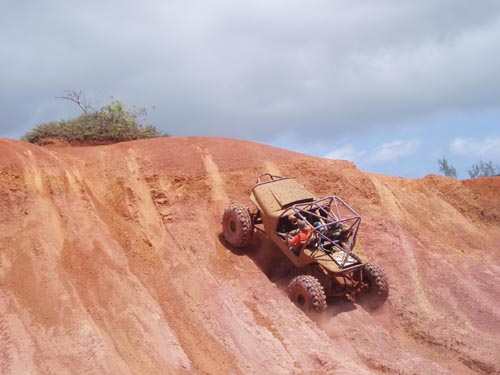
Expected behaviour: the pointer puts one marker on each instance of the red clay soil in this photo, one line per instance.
(111, 262)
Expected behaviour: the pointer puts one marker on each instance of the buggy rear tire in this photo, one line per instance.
(237, 225)
(307, 293)
(378, 284)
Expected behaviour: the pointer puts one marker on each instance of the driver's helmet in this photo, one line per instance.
(302, 224)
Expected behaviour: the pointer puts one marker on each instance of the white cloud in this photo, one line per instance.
(488, 147)
(393, 150)
(345, 153)
(384, 153)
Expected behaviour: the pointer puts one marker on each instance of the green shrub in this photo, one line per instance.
(484, 170)
(447, 169)
(110, 124)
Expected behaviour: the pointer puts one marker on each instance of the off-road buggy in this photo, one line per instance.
(331, 267)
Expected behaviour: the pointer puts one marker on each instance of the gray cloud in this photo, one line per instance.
(251, 69)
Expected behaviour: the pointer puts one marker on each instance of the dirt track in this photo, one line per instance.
(111, 262)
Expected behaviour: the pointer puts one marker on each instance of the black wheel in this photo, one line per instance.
(378, 285)
(237, 225)
(307, 293)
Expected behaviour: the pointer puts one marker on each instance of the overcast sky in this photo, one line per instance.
(390, 85)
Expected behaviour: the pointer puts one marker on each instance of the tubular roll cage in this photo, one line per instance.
(271, 178)
(325, 215)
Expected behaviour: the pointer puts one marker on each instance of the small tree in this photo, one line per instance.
(484, 170)
(447, 169)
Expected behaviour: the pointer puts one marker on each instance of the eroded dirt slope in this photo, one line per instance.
(111, 262)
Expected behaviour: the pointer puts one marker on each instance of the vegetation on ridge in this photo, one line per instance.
(481, 169)
(110, 124)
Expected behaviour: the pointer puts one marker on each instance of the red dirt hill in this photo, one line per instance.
(111, 263)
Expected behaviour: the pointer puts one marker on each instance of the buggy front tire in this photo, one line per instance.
(237, 225)
(307, 293)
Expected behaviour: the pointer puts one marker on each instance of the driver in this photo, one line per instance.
(297, 242)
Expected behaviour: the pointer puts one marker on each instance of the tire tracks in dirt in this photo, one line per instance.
(6, 347)
(216, 182)
(390, 200)
(92, 350)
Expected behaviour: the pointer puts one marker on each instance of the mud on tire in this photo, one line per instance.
(307, 293)
(237, 225)
(377, 281)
